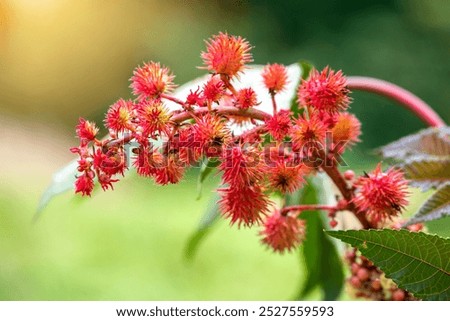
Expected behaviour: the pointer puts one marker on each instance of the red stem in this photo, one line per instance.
(347, 193)
(308, 207)
(223, 110)
(185, 115)
(398, 94)
(274, 103)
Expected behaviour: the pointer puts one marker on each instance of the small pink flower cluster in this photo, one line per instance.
(273, 156)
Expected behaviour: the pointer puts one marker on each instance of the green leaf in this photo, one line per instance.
(306, 68)
(210, 217)
(417, 262)
(319, 251)
(207, 167)
(436, 207)
(62, 181)
(432, 142)
(427, 173)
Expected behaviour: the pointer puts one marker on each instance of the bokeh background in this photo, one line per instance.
(62, 59)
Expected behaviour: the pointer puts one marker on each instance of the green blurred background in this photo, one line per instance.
(62, 59)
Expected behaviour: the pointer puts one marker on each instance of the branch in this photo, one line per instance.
(222, 110)
(398, 94)
(185, 115)
(347, 193)
(308, 207)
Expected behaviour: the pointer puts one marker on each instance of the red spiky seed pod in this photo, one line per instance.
(283, 232)
(213, 89)
(171, 171)
(244, 205)
(195, 98)
(308, 133)
(245, 98)
(381, 195)
(286, 177)
(84, 184)
(119, 116)
(211, 133)
(279, 125)
(151, 80)
(241, 166)
(111, 162)
(226, 54)
(329, 120)
(347, 129)
(86, 130)
(154, 118)
(325, 91)
(275, 78)
(147, 161)
(106, 181)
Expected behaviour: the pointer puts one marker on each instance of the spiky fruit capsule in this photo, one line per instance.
(84, 184)
(246, 98)
(226, 54)
(286, 177)
(210, 133)
(325, 91)
(347, 129)
(308, 133)
(154, 118)
(279, 125)
(381, 195)
(283, 232)
(151, 80)
(244, 205)
(213, 89)
(275, 77)
(119, 116)
(241, 166)
(86, 130)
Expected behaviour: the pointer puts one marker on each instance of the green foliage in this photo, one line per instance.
(429, 143)
(427, 173)
(209, 218)
(208, 165)
(417, 262)
(319, 251)
(424, 157)
(437, 206)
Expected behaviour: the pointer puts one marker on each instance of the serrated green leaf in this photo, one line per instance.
(432, 142)
(318, 250)
(427, 173)
(206, 169)
(417, 262)
(436, 207)
(209, 218)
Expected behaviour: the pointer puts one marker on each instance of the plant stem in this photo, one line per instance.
(175, 100)
(274, 103)
(223, 110)
(308, 207)
(347, 193)
(398, 94)
(185, 115)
